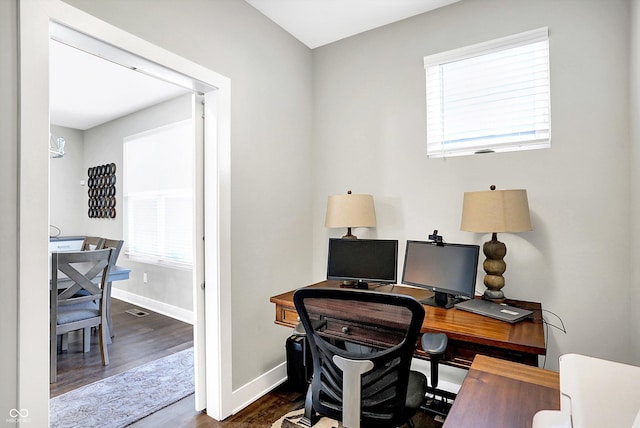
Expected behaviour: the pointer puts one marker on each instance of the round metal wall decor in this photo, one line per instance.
(102, 191)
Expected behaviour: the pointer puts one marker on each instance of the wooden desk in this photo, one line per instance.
(469, 334)
(503, 394)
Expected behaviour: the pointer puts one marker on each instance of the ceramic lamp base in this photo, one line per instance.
(494, 266)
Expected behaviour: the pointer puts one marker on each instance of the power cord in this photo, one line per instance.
(57, 233)
(546, 332)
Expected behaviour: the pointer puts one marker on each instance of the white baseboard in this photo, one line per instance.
(258, 387)
(175, 312)
(243, 396)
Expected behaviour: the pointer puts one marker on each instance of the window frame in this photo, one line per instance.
(437, 147)
(158, 195)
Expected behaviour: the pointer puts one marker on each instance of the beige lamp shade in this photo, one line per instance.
(496, 211)
(350, 211)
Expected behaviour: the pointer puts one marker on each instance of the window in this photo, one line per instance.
(489, 97)
(158, 195)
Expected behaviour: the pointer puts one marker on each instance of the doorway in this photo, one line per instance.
(212, 343)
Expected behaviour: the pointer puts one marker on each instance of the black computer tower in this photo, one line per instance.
(299, 363)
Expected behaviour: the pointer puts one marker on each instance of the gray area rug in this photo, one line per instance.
(122, 399)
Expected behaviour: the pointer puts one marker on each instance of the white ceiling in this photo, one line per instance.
(87, 91)
(319, 22)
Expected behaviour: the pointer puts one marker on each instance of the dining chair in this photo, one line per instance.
(78, 300)
(116, 245)
(92, 243)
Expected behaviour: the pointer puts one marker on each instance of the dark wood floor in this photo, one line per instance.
(260, 414)
(141, 340)
(137, 341)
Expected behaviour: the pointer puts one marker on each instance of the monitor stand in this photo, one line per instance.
(360, 285)
(441, 300)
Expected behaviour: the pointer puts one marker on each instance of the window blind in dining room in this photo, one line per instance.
(158, 195)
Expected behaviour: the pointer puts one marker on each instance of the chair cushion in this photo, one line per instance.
(77, 312)
(416, 390)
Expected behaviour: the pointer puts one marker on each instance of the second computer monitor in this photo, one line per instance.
(363, 260)
(449, 270)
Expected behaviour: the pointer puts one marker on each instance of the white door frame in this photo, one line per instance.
(212, 341)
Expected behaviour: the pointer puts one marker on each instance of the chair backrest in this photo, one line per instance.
(361, 325)
(92, 243)
(78, 277)
(116, 245)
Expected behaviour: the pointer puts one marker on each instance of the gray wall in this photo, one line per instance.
(67, 197)
(634, 196)
(271, 166)
(368, 109)
(8, 208)
(369, 121)
(270, 121)
(104, 144)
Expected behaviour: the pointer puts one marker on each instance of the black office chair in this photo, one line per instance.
(361, 358)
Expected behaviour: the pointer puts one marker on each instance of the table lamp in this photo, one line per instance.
(349, 211)
(495, 211)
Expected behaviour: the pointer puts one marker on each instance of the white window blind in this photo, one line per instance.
(489, 97)
(158, 195)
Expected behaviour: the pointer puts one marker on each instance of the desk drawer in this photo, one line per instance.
(287, 316)
(463, 353)
(291, 317)
(358, 333)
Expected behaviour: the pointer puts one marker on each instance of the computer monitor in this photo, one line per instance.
(449, 270)
(363, 261)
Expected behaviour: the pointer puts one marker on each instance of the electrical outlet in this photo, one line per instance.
(144, 277)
